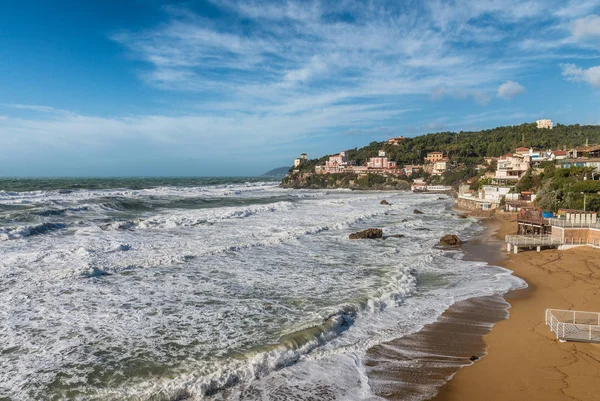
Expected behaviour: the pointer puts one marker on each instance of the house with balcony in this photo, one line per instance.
(440, 167)
(511, 168)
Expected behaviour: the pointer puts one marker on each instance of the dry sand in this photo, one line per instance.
(525, 361)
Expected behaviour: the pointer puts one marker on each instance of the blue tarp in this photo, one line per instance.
(547, 215)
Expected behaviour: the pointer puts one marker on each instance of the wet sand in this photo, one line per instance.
(417, 365)
(525, 361)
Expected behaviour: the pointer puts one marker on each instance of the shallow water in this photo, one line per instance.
(231, 289)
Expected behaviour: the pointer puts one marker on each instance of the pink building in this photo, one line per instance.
(381, 162)
(336, 163)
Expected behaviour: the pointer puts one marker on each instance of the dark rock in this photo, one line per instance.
(463, 216)
(473, 358)
(450, 240)
(404, 220)
(441, 198)
(384, 202)
(422, 229)
(394, 236)
(371, 233)
(416, 211)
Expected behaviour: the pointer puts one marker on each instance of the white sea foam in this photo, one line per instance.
(167, 303)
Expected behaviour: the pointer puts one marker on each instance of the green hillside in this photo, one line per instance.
(470, 147)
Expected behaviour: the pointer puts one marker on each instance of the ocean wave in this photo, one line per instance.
(18, 232)
(194, 218)
(260, 361)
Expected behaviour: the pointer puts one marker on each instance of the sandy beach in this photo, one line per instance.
(524, 359)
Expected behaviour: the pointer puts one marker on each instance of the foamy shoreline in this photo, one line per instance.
(417, 365)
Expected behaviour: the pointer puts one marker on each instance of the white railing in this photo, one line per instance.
(571, 325)
(533, 240)
(571, 224)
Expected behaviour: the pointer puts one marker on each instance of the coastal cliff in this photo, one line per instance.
(345, 180)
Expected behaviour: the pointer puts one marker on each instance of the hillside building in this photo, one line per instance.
(547, 124)
(433, 157)
(395, 141)
(300, 161)
(511, 167)
(381, 162)
(439, 167)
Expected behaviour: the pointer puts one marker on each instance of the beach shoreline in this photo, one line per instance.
(524, 361)
(419, 364)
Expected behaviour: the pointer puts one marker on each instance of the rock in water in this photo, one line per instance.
(371, 233)
(463, 216)
(416, 211)
(394, 236)
(450, 240)
(384, 202)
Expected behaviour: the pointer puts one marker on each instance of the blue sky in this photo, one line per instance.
(226, 87)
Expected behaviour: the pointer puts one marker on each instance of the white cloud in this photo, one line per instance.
(573, 73)
(510, 89)
(587, 27)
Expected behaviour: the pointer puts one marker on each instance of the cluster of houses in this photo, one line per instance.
(511, 167)
(435, 163)
(379, 164)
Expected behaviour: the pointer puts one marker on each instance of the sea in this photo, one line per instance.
(217, 288)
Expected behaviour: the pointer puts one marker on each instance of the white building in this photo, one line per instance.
(492, 193)
(511, 167)
(440, 167)
(544, 124)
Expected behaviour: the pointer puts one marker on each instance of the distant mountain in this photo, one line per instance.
(277, 172)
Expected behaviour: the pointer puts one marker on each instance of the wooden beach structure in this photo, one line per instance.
(569, 228)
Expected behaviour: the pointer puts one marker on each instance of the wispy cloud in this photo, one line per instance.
(36, 108)
(263, 72)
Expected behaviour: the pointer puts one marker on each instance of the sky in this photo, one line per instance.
(227, 87)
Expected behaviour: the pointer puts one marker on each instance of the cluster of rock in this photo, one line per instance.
(449, 240)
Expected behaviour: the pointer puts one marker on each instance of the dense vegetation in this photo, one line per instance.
(566, 188)
(471, 147)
